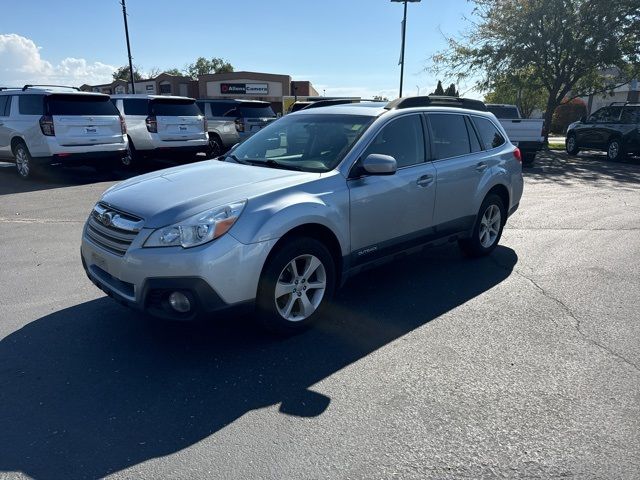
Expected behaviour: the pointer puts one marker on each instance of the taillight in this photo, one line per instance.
(123, 126)
(152, 124)
(517, 155)
(239, 125)
(46, 125)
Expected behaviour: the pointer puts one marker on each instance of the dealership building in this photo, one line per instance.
(280, 90)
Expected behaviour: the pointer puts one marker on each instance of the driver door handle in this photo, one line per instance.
(425, 180)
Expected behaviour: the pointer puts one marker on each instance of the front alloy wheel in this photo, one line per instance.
(614, 150)
(296, 283)
(300, 288)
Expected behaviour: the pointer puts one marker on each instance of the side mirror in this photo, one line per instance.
(378, 164)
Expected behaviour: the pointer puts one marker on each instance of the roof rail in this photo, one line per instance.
(9, 88)
(436, 101)
(623, 103)
(327, 103)
(57, 86)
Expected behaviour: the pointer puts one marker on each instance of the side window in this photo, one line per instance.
(600, 116)
(450, 137)
(218, 109)
(3, 105)
(612, 115)
(203, 107)
(631, 115)
(135, 106)
(403, 139)
(489, 134)
(473, 137)
(231, 112)
(31, 104)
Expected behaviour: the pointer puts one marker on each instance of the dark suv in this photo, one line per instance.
(614, 129)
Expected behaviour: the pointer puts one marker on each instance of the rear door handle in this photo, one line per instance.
(425, 180)
(482, 166)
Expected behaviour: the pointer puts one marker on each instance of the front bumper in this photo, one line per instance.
(217, 276)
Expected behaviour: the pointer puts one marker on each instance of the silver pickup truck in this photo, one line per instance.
(525, 133)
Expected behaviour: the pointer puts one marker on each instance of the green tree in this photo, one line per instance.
(203, 66)
(122, 73)
(174, 71)
(451, 91)
(566, 44)
(517, 90)
(439, 90)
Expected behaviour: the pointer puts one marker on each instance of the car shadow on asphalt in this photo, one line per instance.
(95, 388)
(590, 166)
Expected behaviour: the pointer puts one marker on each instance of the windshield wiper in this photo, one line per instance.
(236, 159)
(275, 164)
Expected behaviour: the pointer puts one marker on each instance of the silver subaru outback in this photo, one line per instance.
(288, 215)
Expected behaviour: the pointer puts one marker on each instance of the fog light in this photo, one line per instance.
(179, 302)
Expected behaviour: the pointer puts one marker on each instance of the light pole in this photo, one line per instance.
(126, 32)
(404, 31)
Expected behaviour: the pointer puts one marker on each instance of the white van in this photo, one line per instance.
(162, 126)
(44, 125)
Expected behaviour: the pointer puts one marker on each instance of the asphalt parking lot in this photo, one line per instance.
(522, 365)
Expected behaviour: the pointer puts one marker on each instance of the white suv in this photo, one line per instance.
(48, 125)
(162, 126)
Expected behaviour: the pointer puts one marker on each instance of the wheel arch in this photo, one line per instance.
(15, 141)
(502, 191)
(318, 232)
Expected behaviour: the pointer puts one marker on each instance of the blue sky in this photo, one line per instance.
(346, 47)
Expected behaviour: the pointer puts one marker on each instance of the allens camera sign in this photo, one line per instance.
(244, 88)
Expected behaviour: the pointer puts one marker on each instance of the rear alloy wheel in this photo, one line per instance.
(295, 285)
(487, 229)
(571, 145)
(215, 147)
(614, 149)
(24, 163)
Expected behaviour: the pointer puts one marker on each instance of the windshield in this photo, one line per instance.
(311, 143)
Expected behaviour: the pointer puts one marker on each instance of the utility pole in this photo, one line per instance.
(126, 32)
(404, 31)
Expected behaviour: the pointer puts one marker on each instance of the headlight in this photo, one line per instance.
(199, 229)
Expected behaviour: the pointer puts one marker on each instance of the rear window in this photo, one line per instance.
(172, 108)
(135, 106)
(257, 111)
(219, 109)
(450, 137)
(489, 134)
(503, 111)
(31, 104)
(80, 105)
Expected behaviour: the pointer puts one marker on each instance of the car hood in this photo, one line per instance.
(168, 196)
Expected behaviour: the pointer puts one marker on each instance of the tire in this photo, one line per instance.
(215, 146)
(571, 145)
(528, 158)
(24, 162)
(293, 312)
(493, 214)
(615, 151)
(132, 159)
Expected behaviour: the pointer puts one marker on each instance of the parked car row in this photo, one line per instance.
(289, 214)
(44, 125)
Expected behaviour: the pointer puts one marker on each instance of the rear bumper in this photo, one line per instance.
(85, 158)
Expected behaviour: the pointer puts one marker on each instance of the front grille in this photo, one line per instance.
(112, 229)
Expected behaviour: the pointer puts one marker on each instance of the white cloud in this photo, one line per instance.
(21, 62)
